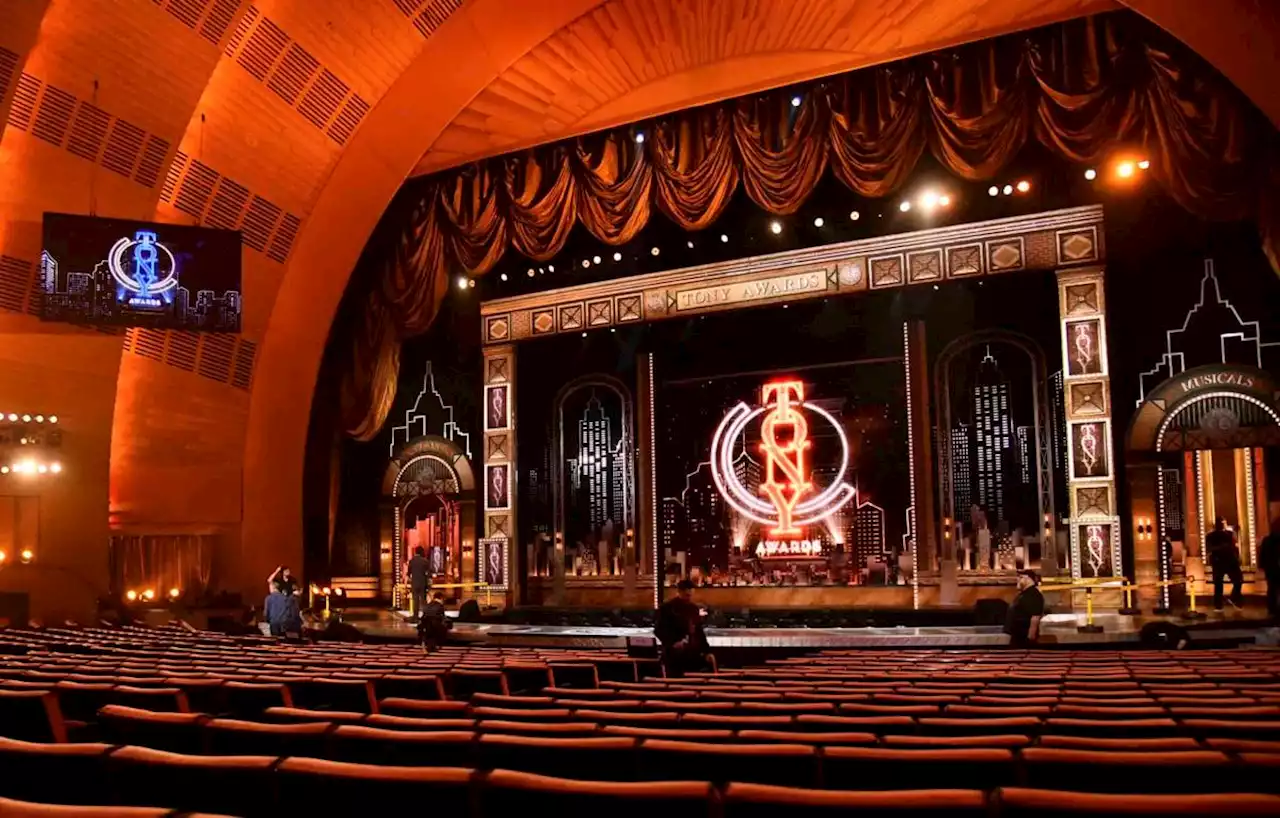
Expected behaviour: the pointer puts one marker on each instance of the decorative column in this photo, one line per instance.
(1091, 485)
(923, 533)
(498, 482)
(649, 543)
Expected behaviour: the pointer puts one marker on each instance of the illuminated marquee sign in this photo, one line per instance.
(788, 548)
(786, 499)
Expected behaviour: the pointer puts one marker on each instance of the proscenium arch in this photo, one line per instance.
(1172, 396)
(447, 452)
(1040, 406)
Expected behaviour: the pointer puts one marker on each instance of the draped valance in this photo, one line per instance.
(1083, 89)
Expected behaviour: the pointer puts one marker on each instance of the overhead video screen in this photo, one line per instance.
(120, 272)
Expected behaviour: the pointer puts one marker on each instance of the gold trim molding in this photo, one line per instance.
(1043, 241)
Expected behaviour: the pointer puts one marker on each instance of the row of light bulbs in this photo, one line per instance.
(25, 556)
(149, 594)
(30, 467)
(1021, 186)
(14, 417)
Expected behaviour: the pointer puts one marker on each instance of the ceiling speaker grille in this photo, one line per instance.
(323, 99)
(182, 350)
(294, 72)
(242, 28)
(245, 354)
(348, 119)
(152, 160)
(122, 148)
(215, 357)
(263, 49)
(8, 64)
(220, 16)
(283, 242)
(15, 279)
(88, 131)
(188, 11)
(228, 204)
(149, 343)
(258, 223)
(196, 188)
(24, 102)
(434, 16)
(53, 115)
(174, 175)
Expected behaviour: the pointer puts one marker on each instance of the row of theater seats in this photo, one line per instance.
(266, 786)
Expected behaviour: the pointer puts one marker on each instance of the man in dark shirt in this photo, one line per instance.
(1269, 562)
(1023, 620)
(419, 573)
(679, 629)
(1224, 558)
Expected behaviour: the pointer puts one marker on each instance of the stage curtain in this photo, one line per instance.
(1083, 89)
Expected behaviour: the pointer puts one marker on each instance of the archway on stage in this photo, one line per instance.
(1199, 447)
(429, 501)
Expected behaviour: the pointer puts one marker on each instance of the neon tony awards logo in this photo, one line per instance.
(786, 499)
(144, 269)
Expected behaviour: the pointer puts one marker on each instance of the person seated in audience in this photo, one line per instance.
(1022, 623)
(433, 626)
(679, 629)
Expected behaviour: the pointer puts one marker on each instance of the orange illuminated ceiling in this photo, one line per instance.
(296, 121)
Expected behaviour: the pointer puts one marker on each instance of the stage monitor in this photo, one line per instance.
(118, 272)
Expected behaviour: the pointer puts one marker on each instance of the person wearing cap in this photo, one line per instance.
(1023, 620)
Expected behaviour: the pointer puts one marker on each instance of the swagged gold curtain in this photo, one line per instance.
(1081, 88)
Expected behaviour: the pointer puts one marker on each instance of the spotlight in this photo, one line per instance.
(503, 277)
(1007, 190)
(551, 268)
(326, 590)
(640, 138)
(56, 468)
(29, 467)
(39, 418)
(617, 257)
(1143, 165)
(584, 335)
(993, 191)
(724, 239)
(1091, 174)
(1023, 185)
(3, 557)
(131, 595)
(905, 206)
(471, 283)
(53, 418)
(854, 215)
(26, 418)
(339, 592)
(148, 594)
(595, 259)
(462, 282)
(530, 272)
(775, 227)
(174, 593)
(689, 244)
(944, 200)
(1124, 170)
(586, 262)
(818, 222)
(795, 102)
(653, 251)
(4, 469)
(613, 329)
(13, 418)
(27, 555)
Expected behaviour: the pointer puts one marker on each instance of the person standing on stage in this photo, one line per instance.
(679, 629)
(1269, 562)
(1224, 558)
(418, 572)
(1022, 623)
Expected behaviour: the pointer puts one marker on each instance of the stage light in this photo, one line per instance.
(1124, 170)
(617, 257)
(595, 259)
(28, 467)
(584, 335)
(1144, 164)
(818, 222)
(944, 200)
(26, 555)
(53, 418)
(689, 244)
(1023, 186)
(928, 200)
(905, 206)
(653, 251)
(56, 468)
(148, 594)
(13, 418)
(613, 329)
(131, 595)
(1091, 174)
(640, 138)
(795, 102)
(854, 215)
(471, 283)
(39, 418)
(326, 590)
(174, 593)
(551, 268)
(22, 441)
(26, 418)
(42, 468)
(993, 191)
(1007, 190)
(775, 227)
(4, 469)
(339, 592)
(724, 239)
(462, 282)
(531, 272)
(503, 277)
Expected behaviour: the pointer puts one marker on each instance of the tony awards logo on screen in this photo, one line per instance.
(144, 269)
(786, 500)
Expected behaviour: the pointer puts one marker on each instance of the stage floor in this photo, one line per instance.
(1060, 629)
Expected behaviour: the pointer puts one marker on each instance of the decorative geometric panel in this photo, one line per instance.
(544, 321)
(498, 370)
(570, 317)
(496, 447)
(599, 313)
(627, 308)
(1005, 255)
(498, 525)
(849, 275)
(886, 271)
(964, 260)
(1095, 544)
(924, 266)
(1080, 299)
(497, 328)
(1087, 399)
(1078, 245)
(1093, 501)
(1090, 450)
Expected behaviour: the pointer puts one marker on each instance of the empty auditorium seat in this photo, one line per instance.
(555, 729)
(754, 763)
(31, 715)
(27, 809)
(873, 768)
(81, 701)
(409, 686)
(311, 786)
(249, 699)
(159, 699)
(235, 737)
(1096, 743)
(507, 792)
(992, 740)
(604, 758)
(240, 785)
(880, 725)
(174, 732)
(460, 684)
(388, 722)
(515, 702)
(1191, 771)
(31, 770)
(333, 694)
(373, 745)
(1026, 725)
(763, 801)
(1116, 728)
(798, 737)
(422, 709)
(1028, 803)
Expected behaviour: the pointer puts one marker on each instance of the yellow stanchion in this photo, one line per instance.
(1192, 613)
(1129, 608)
(488, 590)
(1088, 626)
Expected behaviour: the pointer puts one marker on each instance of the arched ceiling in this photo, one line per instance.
(297, 120)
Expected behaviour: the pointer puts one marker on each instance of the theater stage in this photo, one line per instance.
(1058, 629)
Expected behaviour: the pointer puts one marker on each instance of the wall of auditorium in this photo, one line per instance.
(296, 121)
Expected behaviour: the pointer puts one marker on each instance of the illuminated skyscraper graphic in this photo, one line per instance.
(961, 469)
(994, 437)
(1174, 519)
(1058, 420)
(595, 462)
(1024, 454)
(868, 534)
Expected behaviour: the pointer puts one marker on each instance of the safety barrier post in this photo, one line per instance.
(1088, 626)
(1191, 612)
(1129, 608)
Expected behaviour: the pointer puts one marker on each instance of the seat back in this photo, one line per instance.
(662, 760)
(234, 737)
(404, 748)
(223, 785)
(31, 715)
(173, 732)
(873, 768)
(508, 792)
(1032, 803)
(761, 801)
(311, 786)
(604, 758)
(27, 770)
